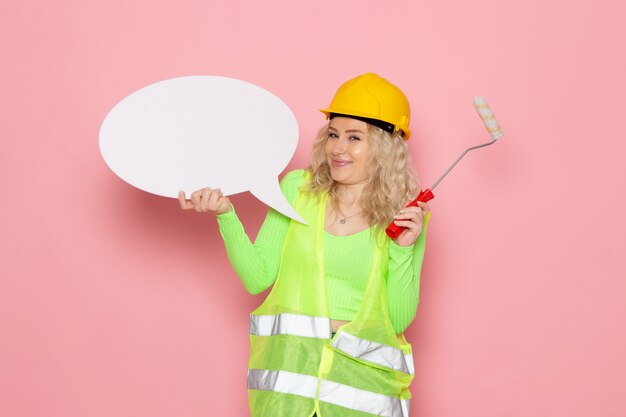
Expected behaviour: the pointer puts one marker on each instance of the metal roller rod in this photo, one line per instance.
(458, 159)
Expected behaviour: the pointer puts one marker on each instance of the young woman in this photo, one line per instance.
(328, 338)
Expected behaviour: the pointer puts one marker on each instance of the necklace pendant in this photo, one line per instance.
(342, 221)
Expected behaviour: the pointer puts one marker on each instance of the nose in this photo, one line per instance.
(339, 146)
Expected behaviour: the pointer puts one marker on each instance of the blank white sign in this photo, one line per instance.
(192, 132)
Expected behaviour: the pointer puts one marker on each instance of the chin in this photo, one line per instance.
(345, 180)
(337, 177)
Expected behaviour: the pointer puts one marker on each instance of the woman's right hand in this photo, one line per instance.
(206, 200)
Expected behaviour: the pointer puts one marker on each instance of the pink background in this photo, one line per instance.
(113, 302)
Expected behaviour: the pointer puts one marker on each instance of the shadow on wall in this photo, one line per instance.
(154, 229)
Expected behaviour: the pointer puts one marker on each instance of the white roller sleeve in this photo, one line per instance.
(485, 113)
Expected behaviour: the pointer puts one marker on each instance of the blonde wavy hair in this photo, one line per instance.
(392, 181)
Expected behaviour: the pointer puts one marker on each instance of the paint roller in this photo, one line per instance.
(485, 113)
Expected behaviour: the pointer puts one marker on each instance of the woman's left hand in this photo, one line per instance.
(413, 219)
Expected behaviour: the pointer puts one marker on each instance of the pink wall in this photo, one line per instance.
(113, 302)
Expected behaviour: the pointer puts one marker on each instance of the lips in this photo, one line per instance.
(338, 163)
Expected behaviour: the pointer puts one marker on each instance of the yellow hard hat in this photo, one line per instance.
(375, 100)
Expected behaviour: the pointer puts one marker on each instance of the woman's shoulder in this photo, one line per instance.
(295, 178)
(292, 182)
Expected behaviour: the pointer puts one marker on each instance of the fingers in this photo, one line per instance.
(196, 199)
(411, 226)
(203, 200)
(412, 213)
(411, 218)
(414, 224)
(182, 201)
(214, 199)
(424, 206)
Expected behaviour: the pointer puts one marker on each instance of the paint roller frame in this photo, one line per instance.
(491, 124)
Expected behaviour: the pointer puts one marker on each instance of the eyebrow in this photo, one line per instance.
(347, 131)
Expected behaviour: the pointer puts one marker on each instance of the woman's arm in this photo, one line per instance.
(403, 281)
(257, 264)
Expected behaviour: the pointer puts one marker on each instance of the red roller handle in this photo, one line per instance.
(393, 230)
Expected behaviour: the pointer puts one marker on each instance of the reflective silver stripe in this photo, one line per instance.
(406, 406)
(408, 357)
(377, 353)
(330, 392)
(361, 400)
(283, 381)
(292, 324)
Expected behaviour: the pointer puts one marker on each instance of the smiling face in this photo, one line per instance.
(347, 151)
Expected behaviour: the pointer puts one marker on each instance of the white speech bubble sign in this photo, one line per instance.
(192, 132)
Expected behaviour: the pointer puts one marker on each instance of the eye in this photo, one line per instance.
(354, 138)
(332, 135)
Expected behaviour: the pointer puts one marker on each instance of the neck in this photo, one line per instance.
(349, 195)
